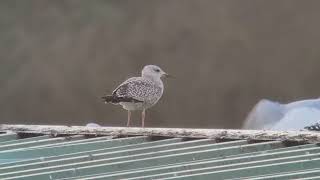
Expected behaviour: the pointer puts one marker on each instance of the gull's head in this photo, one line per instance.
(153, 71)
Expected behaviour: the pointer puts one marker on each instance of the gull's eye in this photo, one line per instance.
(157, 70)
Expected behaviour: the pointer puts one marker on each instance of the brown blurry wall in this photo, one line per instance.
(58, 57)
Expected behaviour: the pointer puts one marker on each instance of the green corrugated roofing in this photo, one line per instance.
(141, 157)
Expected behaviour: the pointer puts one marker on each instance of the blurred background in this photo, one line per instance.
(59, 57)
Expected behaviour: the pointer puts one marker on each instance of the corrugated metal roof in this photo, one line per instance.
(142, 157)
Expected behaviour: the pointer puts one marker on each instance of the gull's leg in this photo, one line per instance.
(129, 118)
(143, 116)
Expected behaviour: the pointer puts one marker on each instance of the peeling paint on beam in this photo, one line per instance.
(232, 134)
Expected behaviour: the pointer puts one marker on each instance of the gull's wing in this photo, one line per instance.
(298, 119)
(136, 88)
(264, 115)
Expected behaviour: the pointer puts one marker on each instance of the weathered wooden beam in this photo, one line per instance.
(298, 136)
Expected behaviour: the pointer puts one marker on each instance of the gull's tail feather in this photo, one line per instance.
(315, 127)
(116, 100)
(109, 99)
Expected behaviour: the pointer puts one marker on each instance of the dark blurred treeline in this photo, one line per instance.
(59, 57)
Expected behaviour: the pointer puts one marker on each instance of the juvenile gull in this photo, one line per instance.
(139, 93)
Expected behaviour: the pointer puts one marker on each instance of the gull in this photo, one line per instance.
(139, 93)
(93, 125)
(298, 115)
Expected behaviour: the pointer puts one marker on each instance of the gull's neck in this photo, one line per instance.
(155, 79)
